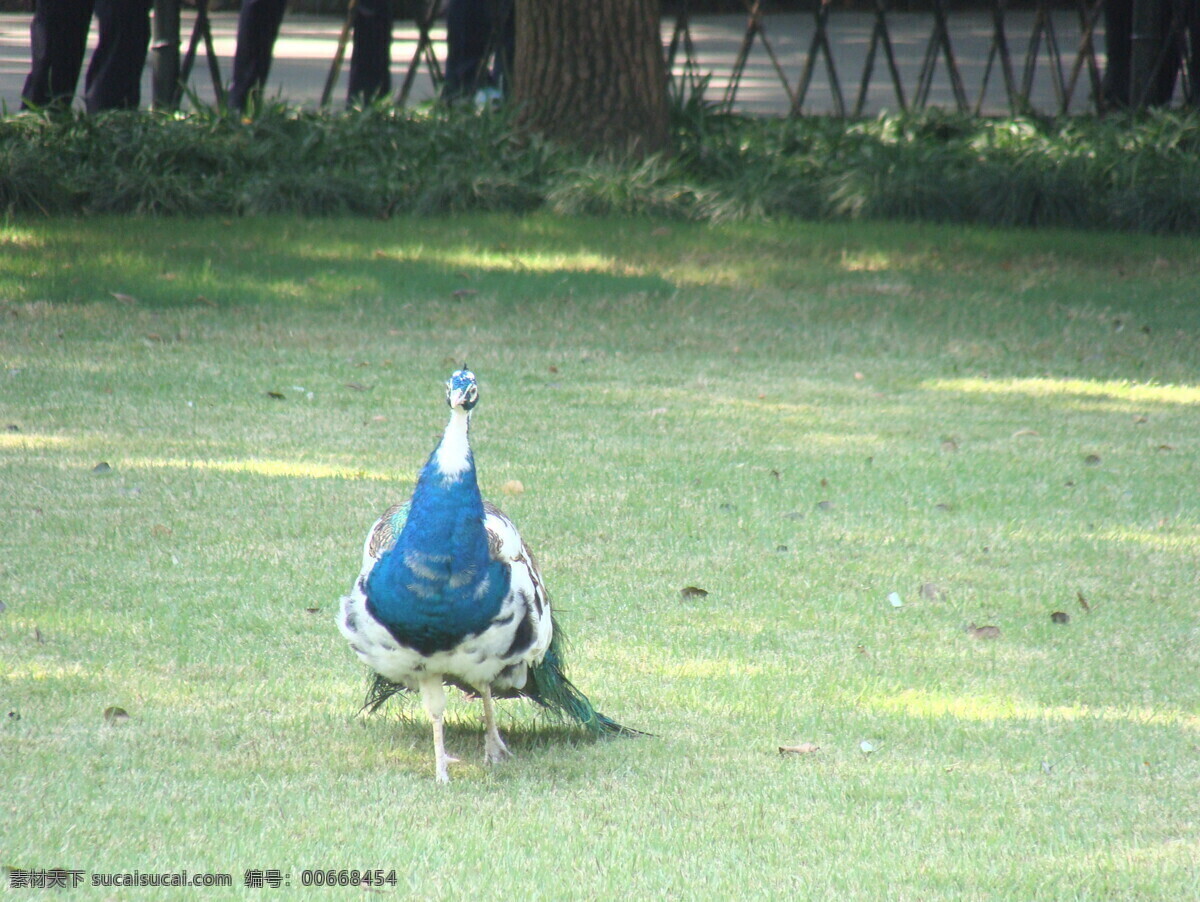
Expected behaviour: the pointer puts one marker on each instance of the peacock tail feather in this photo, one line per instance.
(548, 685)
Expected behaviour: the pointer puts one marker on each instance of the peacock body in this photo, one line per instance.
(450, 593)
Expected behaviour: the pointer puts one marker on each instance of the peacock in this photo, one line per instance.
(449, 593)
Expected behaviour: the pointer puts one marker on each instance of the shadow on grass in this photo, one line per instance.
(331, 264)
(464, 724)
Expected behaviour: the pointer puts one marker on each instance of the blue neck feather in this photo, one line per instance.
(427, 588)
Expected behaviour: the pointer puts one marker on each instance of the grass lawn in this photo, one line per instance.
(801, 420)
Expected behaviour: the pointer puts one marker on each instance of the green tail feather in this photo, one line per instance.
(380, 690)
(549, 687)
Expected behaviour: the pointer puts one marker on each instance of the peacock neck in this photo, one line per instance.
(453, 455)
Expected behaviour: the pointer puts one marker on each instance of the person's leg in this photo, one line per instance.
(114, 77)
(468, 27)
(58, 39)
(258, 26)
(371, 58)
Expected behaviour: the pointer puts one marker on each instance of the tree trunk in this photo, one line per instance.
(591, 73)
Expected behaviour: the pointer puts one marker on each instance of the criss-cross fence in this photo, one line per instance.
(851, 58)
(855, 55)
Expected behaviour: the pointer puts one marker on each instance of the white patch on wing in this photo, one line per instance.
(507, 541)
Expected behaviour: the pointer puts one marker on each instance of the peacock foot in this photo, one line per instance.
(494, 750)
(443, 768)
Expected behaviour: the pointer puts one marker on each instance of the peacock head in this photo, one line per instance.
(462, 392)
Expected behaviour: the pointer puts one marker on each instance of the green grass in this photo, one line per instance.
(1121, 172)
(1013, 416)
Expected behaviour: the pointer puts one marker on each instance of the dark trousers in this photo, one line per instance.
(475, 28)
(371, 58)
(1118, 29)
(58, 39)
(258, 27)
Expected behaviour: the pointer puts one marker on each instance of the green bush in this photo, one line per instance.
(1128, 173)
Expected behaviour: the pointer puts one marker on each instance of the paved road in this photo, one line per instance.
(306, 48)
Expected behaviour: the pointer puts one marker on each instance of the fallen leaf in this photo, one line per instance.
(658, 411)
(378, 418)
(124, 298)
(159, 531)
(1087, 608)
(101, 468)
(943, 507)
(932, 591)
(315, 609)
(949, 446)
(464, 292)
(825, 505)
(115, 715)
(1060, 617)
(775, 474)
(804, 748)
(661, 231)
(1092, 460)
(38, 637)
(357, 386)
(1165, 448)
(824, 483)
(779, 548)
(513, 487)
(983, 632)
(553, 368)
(277, 395)
(201, 299)
(693, 592)
(1025, 433)
(1140, 420)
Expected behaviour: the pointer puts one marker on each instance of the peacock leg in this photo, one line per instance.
(433, 697)
(494, 749)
